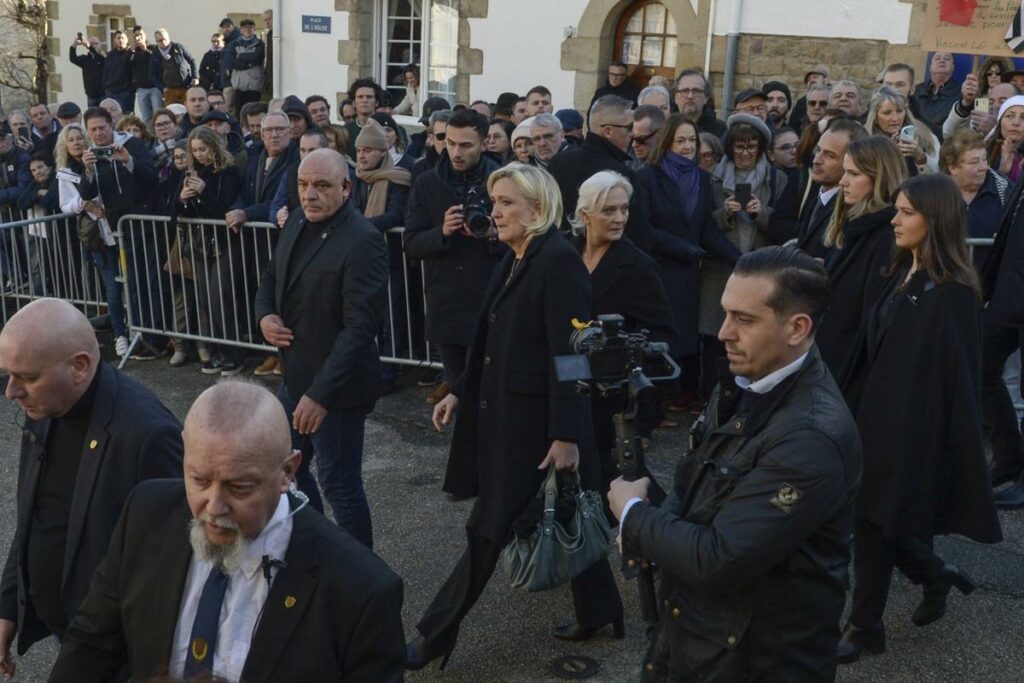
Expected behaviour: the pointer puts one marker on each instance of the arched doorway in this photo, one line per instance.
(646, 40)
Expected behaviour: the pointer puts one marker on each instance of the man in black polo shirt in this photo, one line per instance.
(90, 435)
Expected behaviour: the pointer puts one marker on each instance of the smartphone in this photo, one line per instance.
(24, 134)
(742, 195)
(79, 35)
(907, 133)
(982, 105)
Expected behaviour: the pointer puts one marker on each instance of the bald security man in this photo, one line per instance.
(229, 574)
(321, 301)
(90, 435)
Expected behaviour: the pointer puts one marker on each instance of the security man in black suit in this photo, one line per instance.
(90, 435)
(321, 301)
(819, 199)
(228, 574)
(754, 540)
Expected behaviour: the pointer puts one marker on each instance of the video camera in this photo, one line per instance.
(607, 357)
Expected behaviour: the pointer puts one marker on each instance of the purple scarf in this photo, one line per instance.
(685, 173)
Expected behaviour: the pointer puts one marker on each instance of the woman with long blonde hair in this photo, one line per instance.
(862, 237)
(889, 114)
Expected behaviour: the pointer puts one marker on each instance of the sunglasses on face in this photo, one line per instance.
(642, 139)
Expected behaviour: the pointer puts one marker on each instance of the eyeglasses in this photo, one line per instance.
(817, 103)
(690, 92)
(616, 74)
(994, 72)
(440, 136)
(745, 149)
(642, 139)
(745, 109)
(626, 126)
(789, 147)
(276, 130)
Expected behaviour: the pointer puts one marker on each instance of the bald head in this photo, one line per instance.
(49, 350)
(52, 328)
(248, 413)
(323, 184)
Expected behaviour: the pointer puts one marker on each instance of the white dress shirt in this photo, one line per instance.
(247, 591)
(761, 386)
(825, 196)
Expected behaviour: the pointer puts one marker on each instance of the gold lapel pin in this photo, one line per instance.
(289, 601)
(93, 444)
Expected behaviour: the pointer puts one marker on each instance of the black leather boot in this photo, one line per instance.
(419, 652)
(575, 632)
(856, 640)
(933, 604)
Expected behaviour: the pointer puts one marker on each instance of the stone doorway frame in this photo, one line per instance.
(592, 47)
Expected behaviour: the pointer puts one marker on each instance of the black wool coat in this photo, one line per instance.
(915, 388)
(333, 612)
(574, 165)
(456, 269)
(856, 282)
(511, 405)
(1003, 273)
(131, 437)
(679, 243)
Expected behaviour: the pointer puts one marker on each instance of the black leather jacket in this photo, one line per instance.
(753, 543)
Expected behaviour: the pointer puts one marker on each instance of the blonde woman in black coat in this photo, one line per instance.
(515, 419)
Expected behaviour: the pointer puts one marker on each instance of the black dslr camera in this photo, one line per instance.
(607, 356)
(476, 211)
(104, 153)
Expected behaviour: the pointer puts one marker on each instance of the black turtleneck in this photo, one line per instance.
(48, 527)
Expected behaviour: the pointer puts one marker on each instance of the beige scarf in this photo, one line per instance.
(378, 180)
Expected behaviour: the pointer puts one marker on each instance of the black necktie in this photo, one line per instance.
(204, 629)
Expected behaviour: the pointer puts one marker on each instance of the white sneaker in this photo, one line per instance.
(121, 346)
(179, 358)
(204, 352)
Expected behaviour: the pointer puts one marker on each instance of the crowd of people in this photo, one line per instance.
(805, 261)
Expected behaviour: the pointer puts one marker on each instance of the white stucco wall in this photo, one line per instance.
(309, 61)
(853, 19)
(190, 22)
(522, 44)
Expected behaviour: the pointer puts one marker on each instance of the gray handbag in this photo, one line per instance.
(554, 553)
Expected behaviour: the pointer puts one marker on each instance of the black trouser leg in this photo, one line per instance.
(440, 623)
(916, 560)
(873, 561)
(453, 358)
(595, 596)
(998, 344)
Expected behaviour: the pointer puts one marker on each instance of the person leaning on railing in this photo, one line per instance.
(72, 177)
(209, 186)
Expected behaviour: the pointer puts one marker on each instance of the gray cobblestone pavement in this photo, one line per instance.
(419, 532)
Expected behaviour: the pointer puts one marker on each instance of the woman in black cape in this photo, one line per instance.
(515, 419)
(914, 381)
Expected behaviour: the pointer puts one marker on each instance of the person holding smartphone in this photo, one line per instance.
(745, 190)
(889, 114)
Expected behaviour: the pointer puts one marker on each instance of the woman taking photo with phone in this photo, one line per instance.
(1004, 141)
(889, 115)
(515, 419)
(914, 384)
(862, 240)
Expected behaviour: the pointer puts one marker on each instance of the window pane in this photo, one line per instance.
(403, 38)
(631, 49)
(654, 18)
(669, 58)
(636, 23)
(670, 27)
(652, 51)
(399, 8)
(444, 48)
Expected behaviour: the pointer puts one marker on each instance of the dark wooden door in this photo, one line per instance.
(646, 40)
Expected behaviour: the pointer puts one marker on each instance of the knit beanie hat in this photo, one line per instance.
(373, 136)
(771, 86)
(522, 130)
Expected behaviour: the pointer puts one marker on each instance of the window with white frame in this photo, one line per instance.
(403, 35)
(113, 25)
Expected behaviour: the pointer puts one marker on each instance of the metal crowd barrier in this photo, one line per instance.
(42, 257)
(973, 244)
(193, 280)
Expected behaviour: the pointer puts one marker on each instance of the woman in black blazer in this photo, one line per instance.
(515, 418)
(860, 234)
(684, 232)
(625, 281)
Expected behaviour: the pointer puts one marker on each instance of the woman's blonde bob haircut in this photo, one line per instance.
(594, 193)
(537, 186)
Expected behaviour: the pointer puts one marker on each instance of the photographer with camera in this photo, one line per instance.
(448, 227)
(753, 542)
(515, 418)
(120, 172)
